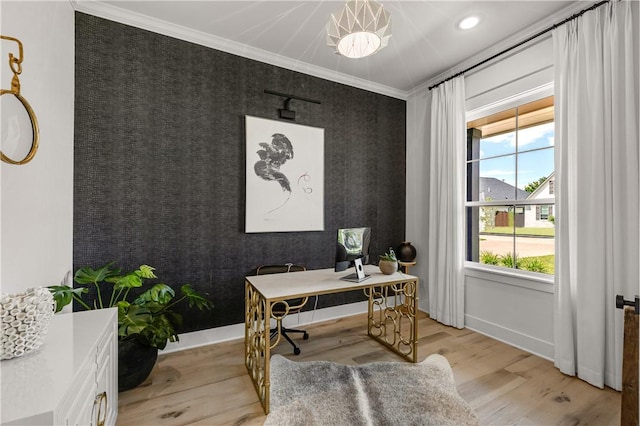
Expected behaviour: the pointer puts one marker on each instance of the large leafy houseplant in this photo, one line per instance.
(147, 317)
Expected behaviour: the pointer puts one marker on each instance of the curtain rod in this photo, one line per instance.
(553, 27)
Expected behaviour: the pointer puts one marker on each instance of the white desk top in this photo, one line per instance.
(320, 281)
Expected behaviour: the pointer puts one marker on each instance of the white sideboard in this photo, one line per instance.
(72, 379)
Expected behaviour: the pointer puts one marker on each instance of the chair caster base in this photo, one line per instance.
(296, 351)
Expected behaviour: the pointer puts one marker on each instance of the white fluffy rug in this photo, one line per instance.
(381, 393)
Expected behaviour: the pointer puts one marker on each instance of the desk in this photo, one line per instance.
(393, 304)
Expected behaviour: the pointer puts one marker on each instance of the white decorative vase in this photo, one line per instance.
(24, 321)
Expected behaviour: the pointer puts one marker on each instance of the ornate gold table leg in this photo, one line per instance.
(257, 342)
(392, 317)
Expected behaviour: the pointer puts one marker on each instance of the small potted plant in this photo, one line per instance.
(388, 262)
(146, 322)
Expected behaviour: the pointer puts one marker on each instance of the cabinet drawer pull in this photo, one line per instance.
(101, 399)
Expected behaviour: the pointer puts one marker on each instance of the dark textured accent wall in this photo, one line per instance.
(159, 163)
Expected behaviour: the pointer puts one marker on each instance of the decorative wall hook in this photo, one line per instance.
(16, 67)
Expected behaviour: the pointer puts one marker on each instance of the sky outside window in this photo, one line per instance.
(531, 167)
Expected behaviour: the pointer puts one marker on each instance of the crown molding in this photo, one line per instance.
(531, 30)
(116, 14)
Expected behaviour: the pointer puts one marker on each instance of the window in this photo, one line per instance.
(544, 212)
(510, 188)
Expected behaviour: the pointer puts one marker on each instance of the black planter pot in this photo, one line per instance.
(406, 252)
(135, 362)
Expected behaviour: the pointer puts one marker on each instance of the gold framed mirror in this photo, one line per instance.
(12, 130)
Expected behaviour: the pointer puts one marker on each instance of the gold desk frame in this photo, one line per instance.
(16, 67)
(391, 320)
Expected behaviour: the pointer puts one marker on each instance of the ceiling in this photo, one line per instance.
(425, 40)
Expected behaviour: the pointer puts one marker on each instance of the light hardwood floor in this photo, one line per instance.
(505, 385)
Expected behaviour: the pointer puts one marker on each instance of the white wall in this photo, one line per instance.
(36, 207)
(516, 310)
(506, 306)
(418, 130)
(516, 72)
(512, 308)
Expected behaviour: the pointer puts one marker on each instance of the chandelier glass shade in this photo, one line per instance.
(360, 29)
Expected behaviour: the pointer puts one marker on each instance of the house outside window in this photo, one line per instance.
(510, 188)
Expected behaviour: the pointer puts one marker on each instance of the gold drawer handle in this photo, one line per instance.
(102, 417)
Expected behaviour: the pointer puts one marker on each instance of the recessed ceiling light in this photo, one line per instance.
(468, 22)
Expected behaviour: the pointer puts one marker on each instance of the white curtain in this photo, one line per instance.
(597, 198)
(445, 215)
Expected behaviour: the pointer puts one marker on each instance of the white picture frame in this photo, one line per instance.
(284, 176)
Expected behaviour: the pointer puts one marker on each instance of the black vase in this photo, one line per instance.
(406, 252)
(135, 362)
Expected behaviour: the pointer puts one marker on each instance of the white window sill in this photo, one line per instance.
(519, 278)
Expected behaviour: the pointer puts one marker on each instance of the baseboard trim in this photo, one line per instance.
(236, 331)
(227, 333)
(514, 338)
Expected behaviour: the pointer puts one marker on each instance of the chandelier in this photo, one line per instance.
(360, 29)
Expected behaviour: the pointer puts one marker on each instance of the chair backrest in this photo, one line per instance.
(295, 305)
(278, 269)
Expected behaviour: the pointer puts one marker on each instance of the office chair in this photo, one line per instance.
(295, 305)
